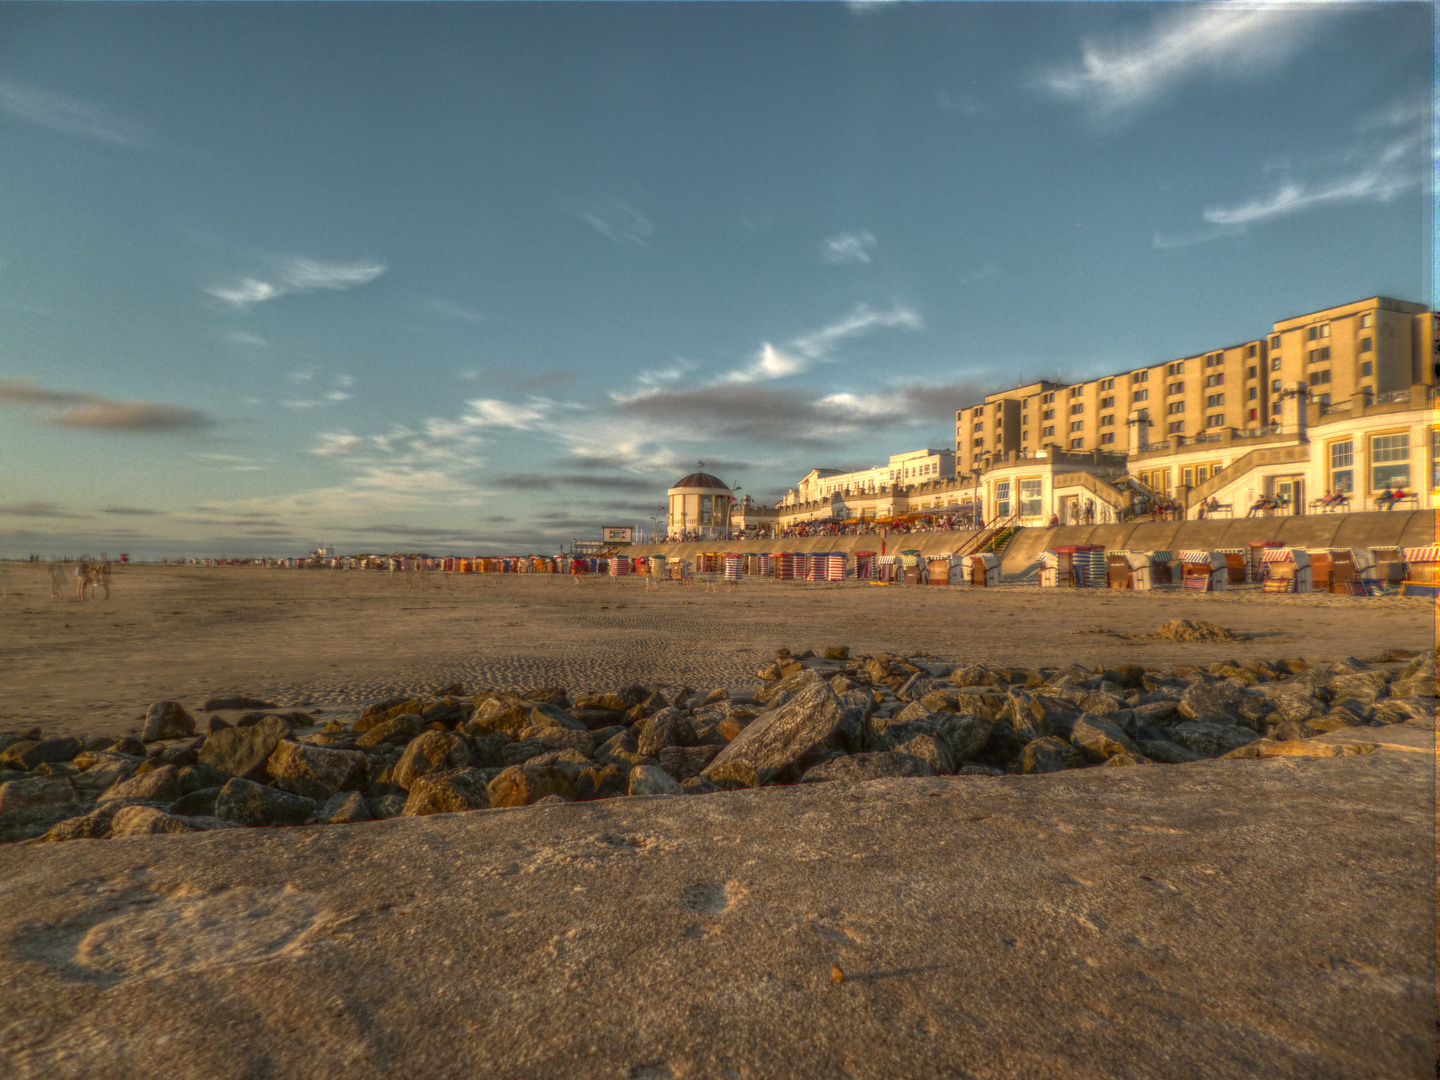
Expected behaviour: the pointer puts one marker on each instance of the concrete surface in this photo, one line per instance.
(1224, 919)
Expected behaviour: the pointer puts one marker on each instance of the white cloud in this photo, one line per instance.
(337, 444)
(437, 305)
(847, 247)
(1115, 78)
(490, 412)
(807, 349)
(1162, 242)
(618, 221)
(297, 276)
(70, 116)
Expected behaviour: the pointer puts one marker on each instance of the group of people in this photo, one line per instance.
(87, 575)
(1387, 499)
(1156, 508)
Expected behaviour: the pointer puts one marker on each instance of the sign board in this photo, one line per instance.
(617, 534)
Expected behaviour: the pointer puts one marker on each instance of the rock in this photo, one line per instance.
(1364, 686)
(548, 695)
(683, 762)
(623, 750)
(395, 730)
(160, 785)
(1044, 714)
(386, 806)
(167, 720)
(37, 791)
(26, 754)
(870, 765)
(1100, 738)
(1099, 703)
(343, 808)
(92, 826)
(934, 750)
(669, 727)
(447, 791)
(245, 802)
(976, 769)
(1049, 754)
(498, 716)
(782, 743)
(597, 782)
(130, 746)
(697, 785)
(236, 701)
(1210, 740)
(243, 751)
(613, 701)
(597, 719)
(1214, 703)
(653, 780)
(197, 803)
(966, 733)
(316, 772)
(521, 785)
(732, 775)
(145, 821)
(106, 770)
(198, 777)
(1001, 748)
(974, 675)
(1165, 751)
(553, 718)
(1126, 759)
(571, 763)
(917, 686)
(793, 684)
(430, 751)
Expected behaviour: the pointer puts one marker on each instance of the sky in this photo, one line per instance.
(481, 278)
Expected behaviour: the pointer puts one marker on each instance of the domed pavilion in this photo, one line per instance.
(699, 507)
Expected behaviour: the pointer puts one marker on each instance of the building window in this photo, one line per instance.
(1390, 461)
(1140, 395)
(1274, 386)
(1318, 356)
(1318, 332)
(980, 441)
(1076, 391)
(1107, 437)
(1275, 409)
(1218, 379)
(1367, 320)
(1175, 388)
(1177, 427)
(1252, 372)
(1253, 393)
(1319, 377)
(1002, 499)
(1107, 384)
(707, 503)
(1048, 414)
(1176, 368)
(1275, 363)
(1046, 431)
(1140, 376)
(1366, 344)
(1077, 408)
(1275, 342)
(1030, 504)
(1322, 399)
(1077, 444)
(1367, 368)
(1252, 350)
(1077, 425)
(979, 425)
(1214, 401)
(1047, 399)
(1175, 407)
(1107, 421)
(1107, 403)
(1218, 420)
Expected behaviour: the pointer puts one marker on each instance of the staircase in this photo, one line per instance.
(1002, 541)
(986, 539)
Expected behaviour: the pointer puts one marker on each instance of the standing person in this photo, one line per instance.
(57, 580)
(82, 573)
(102, 577)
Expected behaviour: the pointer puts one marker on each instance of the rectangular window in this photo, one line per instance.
(1218, 379)
(1275, 409)
(1002, 499)
(1176, 368)
(1214, 401)
(1367, 320)
(1275, 363)
(1252, 350)
(1077, 408)
(1047, 430)
(1140, 395)
(1367, 369)
(1274, 386)
(1275, 342)
(1253, 393)
(1177, 427)
(1077, 425)
(1317, 378)
(1218, 420)
(706, 509)
(1107, 421)
(1318, 356)
(1175, 388)
(1048, 414)
(1107, 437)
(1342, 466)
(1030, 505)
(1140, 376)
(1077, 444)
(1366, 344)
(1325, 330)
(1187, 477)
(980, 441)
(979, 425)
(1202, 473)
(1107, 403)
(1175, 407)
(1390, 461)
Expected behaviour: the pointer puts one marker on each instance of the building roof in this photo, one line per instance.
(701, 480)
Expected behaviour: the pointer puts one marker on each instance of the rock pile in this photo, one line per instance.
(814, 719)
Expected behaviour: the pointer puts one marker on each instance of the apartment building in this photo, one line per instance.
(1366, 348)
(902, 470)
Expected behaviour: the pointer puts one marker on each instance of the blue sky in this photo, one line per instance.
(480, 278)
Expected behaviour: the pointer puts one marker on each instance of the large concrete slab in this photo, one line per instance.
(1226, 919)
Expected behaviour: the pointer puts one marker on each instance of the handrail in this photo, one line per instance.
(1241, 465)
(985, 535)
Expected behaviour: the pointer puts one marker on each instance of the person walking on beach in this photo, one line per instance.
(57, 580)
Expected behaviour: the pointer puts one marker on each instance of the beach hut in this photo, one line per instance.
(732, 566)
(784, 566)
(835, 566)
(1205, 571)
(814, 566)
(767, 564)
(1422, 572)
(887, 568)
(1130, 570)
(1235, 565)
(984, 569)
(864, 565)
(1057, 569)
(912, 567)
(658, 568)
(1255, 564)
(619, 566)
(1287, 570)
(943, 570)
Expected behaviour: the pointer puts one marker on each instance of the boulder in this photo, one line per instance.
(1042, 714)
(782, 743)
(26, 754)
(653, 780)
(395, 730)
(447, 791)
(160, 785)
(1100, 738)
(623, 750)
(698, 785)
(571, 763)
(104, 771)
(731, 775)
(521, 785)
(316, 772)
(683, 762)
(669, 727)
(386, 806)
(1049, 754)
(597, 782)
(1214, 703)
(243, 751)
(966, 733)
(92, 826)
(917, 686)
(36, 791)
(934, 750)
(196, 803)
(145, 821)
(1001, 748)
(974, 768)
(1099, 703)
(430, 751)
(343, 808)
(167, 720)
(498, 716)
(1163, 750)
(792, 684)
(553, 718)
(870, 765)
(244, 802)
(974, 675)
(236, 701)
(1210, 740)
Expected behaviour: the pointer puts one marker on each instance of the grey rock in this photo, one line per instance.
(25, 754)
(430, 751)
(1002, 748)
(668, 727)
(934, 750)
(1163, 750)
(197, 803)
(36, 791)
(199, 777)
(552, 717)
(683, 762)
(966, 733)
(1049, 754)
(167, 720)
(1215, 703)
(317, 772)
(974, 675)
(92, 826)
(109, 770)
(697, 785)
(447, 791)
(791, 684)
(245, 802)
(396, 729)
(1099, 738)
(1297, 708)
(917, 686)
(653, 780)
(1364, 686)
(1099, 703)
(871, 765)
(732, 775)
(146, 821)
(571, 763)
(343, 808)
(1210, 740)
(160, 785)
(243, 752)
(973, 768)
(601, 782)
(521, 785)
(386, 806)
(1044, 714)
(782, 743)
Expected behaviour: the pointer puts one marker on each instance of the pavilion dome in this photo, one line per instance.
(702, 480)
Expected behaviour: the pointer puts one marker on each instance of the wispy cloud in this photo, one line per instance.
(307, 376)
(848, 247)
(448, 309)
(70, 116)
(491, 412)
(1162, 242)
(38, 510)
(133, 511)
(93, 412)
(1115, 78)
(296, 275)
(797, 355)
(618, 221)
